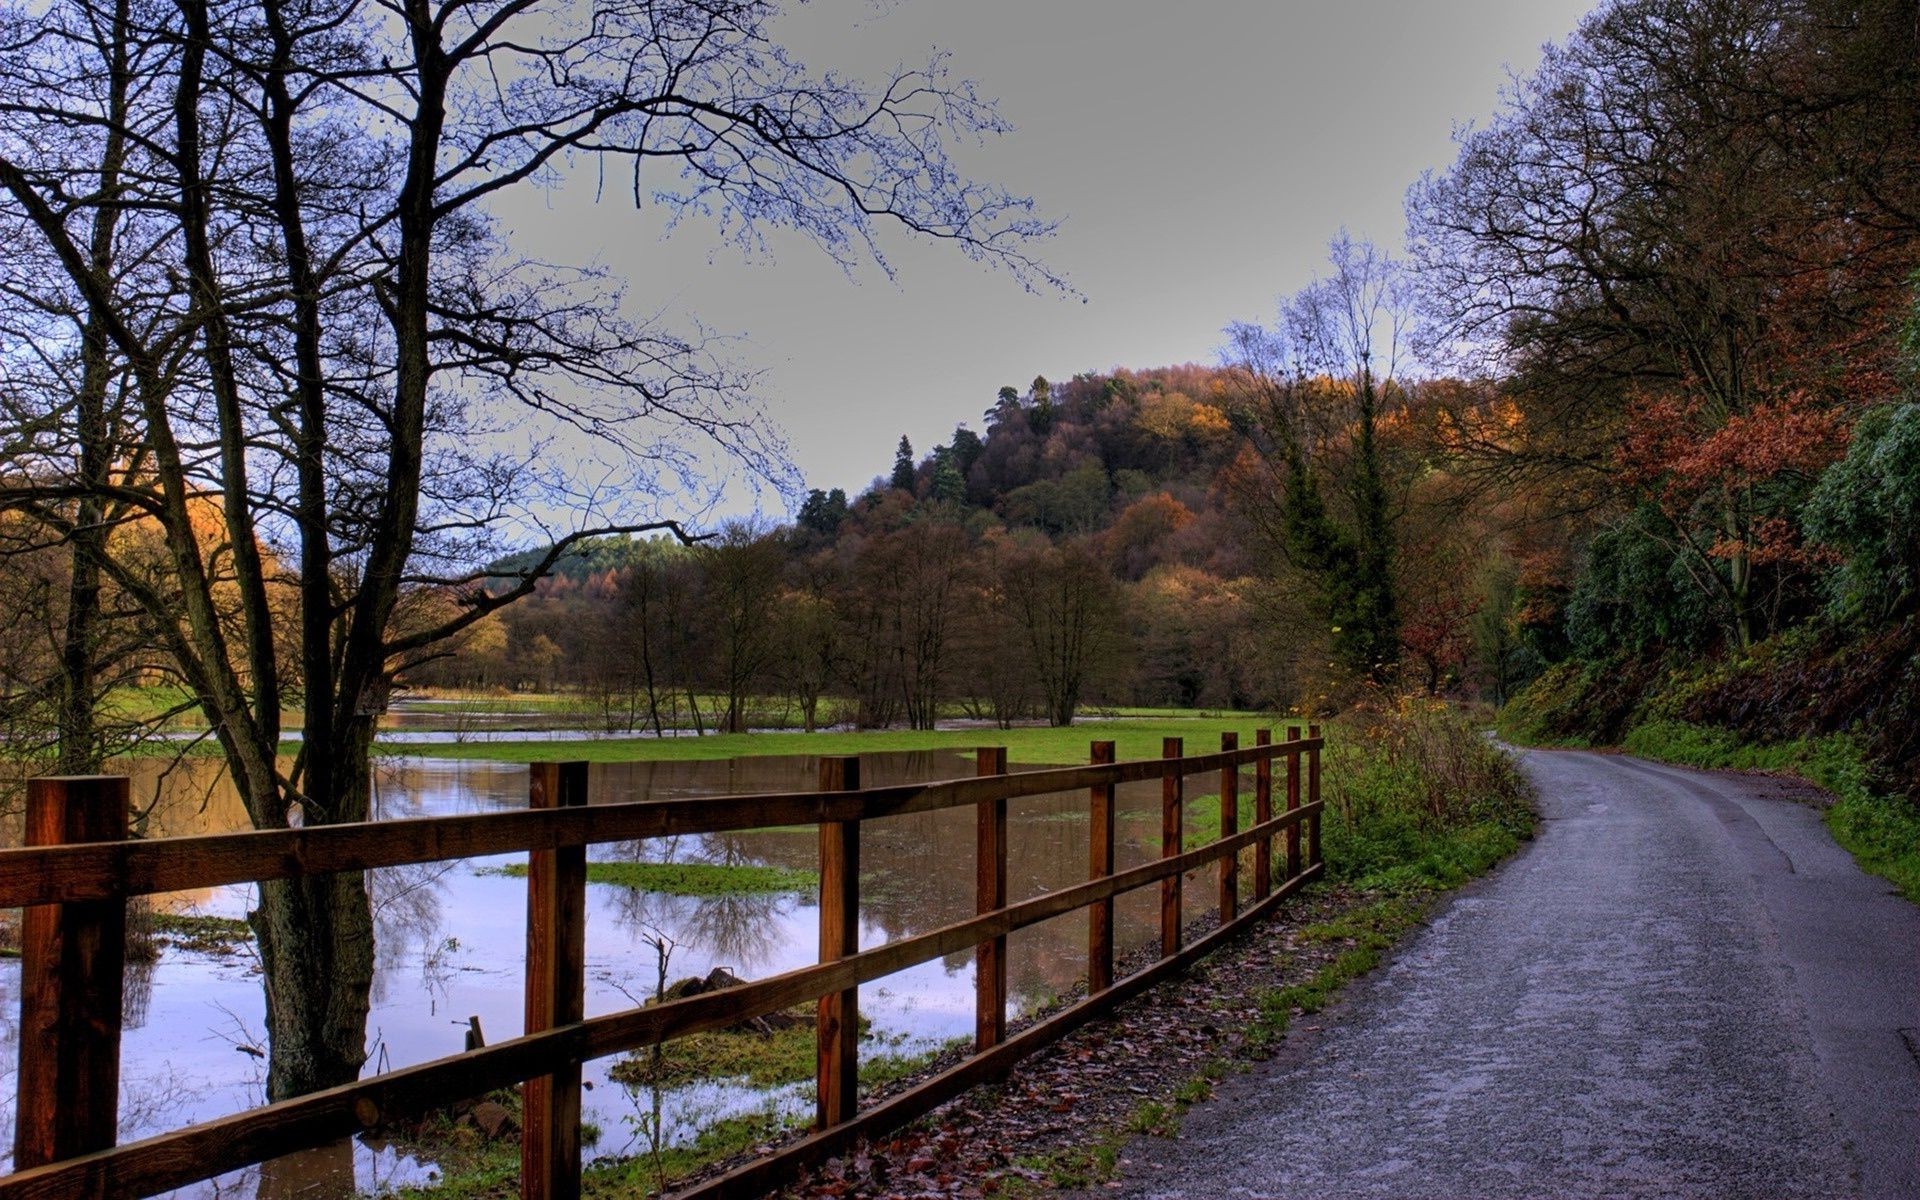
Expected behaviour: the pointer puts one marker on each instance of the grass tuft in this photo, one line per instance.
(688, 879)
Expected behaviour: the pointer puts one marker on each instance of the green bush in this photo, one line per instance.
(1867, 506)
(1418, 798)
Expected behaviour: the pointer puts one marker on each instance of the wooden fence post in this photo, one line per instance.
(1099, 866)
(990, 876)
(71, 959)
(1293, 802)
(1262, 813)
(837, 1027)
(556, 990)
(1172, 791)
(1313, 797)
(1229, 825)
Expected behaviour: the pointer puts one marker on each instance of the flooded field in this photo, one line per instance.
(451, 941)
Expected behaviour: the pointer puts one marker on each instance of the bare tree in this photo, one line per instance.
(741, 570)
(1315, 385)
(318, 323)
(1066, 606)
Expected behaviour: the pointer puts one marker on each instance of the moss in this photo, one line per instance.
(688, 879)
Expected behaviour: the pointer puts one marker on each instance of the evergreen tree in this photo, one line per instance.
(903, 465)
(1041, 419)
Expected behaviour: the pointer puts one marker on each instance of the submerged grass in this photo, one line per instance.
(474, 1168)
(207, 935)
(688, 879)
(1137, 737)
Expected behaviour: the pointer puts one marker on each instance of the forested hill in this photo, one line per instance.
(1131, 448)
(1659, 475)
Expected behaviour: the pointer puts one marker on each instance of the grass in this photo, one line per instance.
(1881, 831)
(1364, 935)
(783, 1055)
(472, 1168)
(688, 879)
(475, 1169)
(1418, 803)
(1135, 737)
(207, 935)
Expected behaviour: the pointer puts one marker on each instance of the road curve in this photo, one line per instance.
(1681, 987)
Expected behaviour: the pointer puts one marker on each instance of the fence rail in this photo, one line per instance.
(76, 871)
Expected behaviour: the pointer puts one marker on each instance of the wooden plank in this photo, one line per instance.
(1293, 802)
(763, 1175)
(837, 1027)
(990, 893)
(1172, 791)
(72, 957)
(1262, 813)
(1313, 794)
(1100, 866)
(215, 1147)
(1229, 904)
(101, 870)
(556, 990)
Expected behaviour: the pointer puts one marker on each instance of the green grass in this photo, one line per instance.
(1881, 831)
(211, 935)
(688, 879)
(781, 1056)
(1364, 934)
(1136, 738)
(475, 1169)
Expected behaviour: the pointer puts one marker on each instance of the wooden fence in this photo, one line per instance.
(76, 871)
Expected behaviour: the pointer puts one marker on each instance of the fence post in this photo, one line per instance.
(71, 959)
(1313, 797)
(837, 1027)
(1262, 813)
(1099, 866)
(556, 990)
(1172, 791)
(1293, 802)
(990, 875)
(1229, 825)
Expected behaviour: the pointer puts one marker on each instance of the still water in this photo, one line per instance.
(451, 943)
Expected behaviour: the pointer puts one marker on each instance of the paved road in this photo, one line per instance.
(1682, 987)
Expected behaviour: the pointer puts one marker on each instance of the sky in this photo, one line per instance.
(1198, 157)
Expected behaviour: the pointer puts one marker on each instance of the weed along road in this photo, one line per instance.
(1682, 987)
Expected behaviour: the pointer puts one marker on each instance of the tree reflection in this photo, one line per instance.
(740, 930)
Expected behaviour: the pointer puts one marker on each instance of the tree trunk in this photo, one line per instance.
(316, 952)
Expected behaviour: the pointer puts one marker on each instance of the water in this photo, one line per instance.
(451, 944)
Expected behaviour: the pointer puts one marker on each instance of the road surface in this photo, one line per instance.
(1682, 987)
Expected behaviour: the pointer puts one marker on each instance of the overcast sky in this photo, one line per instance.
(1198, 155)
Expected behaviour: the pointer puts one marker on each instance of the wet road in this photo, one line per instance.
(1682, 987)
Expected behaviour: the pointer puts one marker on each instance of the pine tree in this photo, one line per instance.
(903, 465)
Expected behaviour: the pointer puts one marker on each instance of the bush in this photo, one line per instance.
(1418, 798)
(1867, 506)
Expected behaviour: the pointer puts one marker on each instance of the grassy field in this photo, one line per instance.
(1136, 737)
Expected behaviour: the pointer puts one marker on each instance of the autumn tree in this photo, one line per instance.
(1065, 605)
(741, 571)
(1683, 242)
(1314, 386)
(317, 322)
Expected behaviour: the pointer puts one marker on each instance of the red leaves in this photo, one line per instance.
(1677, 447)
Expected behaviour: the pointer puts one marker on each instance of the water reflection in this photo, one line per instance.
(451, 942)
